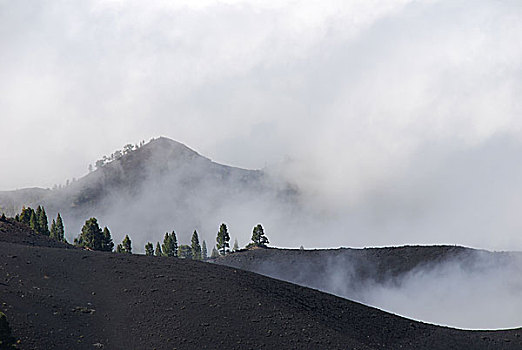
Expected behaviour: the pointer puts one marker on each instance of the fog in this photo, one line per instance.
(483, 297)
(392, 115)
(397, 121)
(466, 289)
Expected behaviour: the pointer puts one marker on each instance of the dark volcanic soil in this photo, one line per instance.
(12, 231)
(73, 299)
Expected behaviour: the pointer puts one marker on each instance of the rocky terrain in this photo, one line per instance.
(59, 298)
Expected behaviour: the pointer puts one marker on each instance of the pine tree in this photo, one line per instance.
(43, 224)
(38, 213)
(214, 253)
(258, 237)
(60, 231)
(91, 235)
(170, 245)
(185, 251)
(235, 248)
(119, 248)
(149, 249)
(107, 244)
(25, 215)
(33, 223)
(204, 254)
(127, 245)
(158, 251)
(223, 239)
(53, 231)
(195, 247)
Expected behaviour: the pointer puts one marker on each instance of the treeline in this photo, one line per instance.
(128, 148)
(199, 252)
(37, 221)
(93, 237)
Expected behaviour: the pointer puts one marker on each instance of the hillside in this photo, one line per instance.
(70, 298)
(158, 187)
(449, 285)
(362, 266)
(12, 231)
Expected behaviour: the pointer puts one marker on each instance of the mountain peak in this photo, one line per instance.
(166, 146)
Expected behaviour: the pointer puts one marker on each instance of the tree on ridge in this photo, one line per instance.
(195, 247)
(223, 239)
(149, 249)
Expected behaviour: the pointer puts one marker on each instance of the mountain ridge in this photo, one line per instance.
(188, 191)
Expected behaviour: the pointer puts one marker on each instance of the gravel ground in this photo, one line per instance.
(59, 298)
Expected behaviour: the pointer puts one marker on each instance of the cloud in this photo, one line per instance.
(388, 116)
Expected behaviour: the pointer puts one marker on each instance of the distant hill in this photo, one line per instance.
(75, 299)
(451, 285)
(158, 187)
(355, 270)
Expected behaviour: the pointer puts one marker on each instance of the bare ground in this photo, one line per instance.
(59, 298)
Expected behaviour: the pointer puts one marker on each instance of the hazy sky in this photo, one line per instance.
(404, 114)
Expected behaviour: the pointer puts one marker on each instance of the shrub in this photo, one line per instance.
(6, 339)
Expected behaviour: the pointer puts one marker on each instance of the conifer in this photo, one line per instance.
(91, 235)
(158, 251)
(53, 233)
(107, 244)
(185, 251)
(258, 237)
(127, 245)
(170, 245)
(214, 253)
(195, 247)
(25, 215)
(33, 223)
(43, 224)
(204, 254)
(149, 249)
(223, 239)
(60, 231)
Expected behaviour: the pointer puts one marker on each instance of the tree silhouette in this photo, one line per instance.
(60, 231)
(91, 236)
(258, 237)
(158, 251)
(149, 249)
(223, 239)
(107, 244)
(204, 254)
(195, 247)
(127, 245)
(170, 245)
(185, 251)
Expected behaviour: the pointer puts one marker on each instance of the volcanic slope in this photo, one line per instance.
(360, 268)
(59, 298)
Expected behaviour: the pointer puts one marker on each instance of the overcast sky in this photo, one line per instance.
(404, 114)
